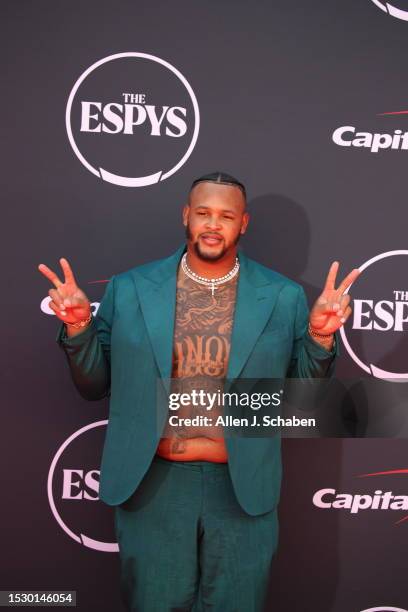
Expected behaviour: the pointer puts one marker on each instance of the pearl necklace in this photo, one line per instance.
(209, 282)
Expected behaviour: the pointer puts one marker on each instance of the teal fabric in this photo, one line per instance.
(186, 544)
(127, 350)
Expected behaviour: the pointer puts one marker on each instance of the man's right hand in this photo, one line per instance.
(68, 301)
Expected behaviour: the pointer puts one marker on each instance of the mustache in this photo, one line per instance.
(189, 235)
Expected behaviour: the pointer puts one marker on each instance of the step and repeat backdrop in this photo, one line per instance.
(109, 111)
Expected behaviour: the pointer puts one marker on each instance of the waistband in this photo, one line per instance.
(198, 466)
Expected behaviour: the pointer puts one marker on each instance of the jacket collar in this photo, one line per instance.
(257, 292)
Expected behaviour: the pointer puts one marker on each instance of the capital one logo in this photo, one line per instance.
(351, 137)
(73, 486)
(353, 503)
(391, 10)
(45, 306)
(45, 302)
(377, 336)
(132, 119)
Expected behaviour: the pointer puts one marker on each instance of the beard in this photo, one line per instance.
(205, 256)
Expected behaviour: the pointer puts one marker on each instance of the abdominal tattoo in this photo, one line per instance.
(202, 341)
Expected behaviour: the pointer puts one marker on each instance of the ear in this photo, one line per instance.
(186, 213)
(245, 221)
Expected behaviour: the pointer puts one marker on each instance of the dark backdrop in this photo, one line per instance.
(273, 80)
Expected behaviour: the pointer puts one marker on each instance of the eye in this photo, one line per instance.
(227, 217)
(201, 214)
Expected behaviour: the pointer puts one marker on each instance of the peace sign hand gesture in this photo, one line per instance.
(331, 310)
(69, 302)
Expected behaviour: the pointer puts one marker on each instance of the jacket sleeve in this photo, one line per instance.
(88, 353)
(309, 359)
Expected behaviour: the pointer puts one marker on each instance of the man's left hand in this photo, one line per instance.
(331, 310)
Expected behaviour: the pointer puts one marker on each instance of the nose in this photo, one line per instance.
(213, 222)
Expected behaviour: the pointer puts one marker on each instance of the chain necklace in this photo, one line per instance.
(212, 283)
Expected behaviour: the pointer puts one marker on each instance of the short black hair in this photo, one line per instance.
(222, 178)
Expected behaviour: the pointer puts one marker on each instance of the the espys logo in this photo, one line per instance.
(376, 338)
(73, 486)
(356, 502)
(392, 10)
(132, 119)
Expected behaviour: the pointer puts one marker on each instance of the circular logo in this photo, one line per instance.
(392, 10)
(380, 316)
(132, 119)
(384, 609)
(73, 486)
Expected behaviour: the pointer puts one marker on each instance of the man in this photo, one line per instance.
(195, 515)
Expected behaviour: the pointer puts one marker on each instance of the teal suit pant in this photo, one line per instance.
(186, 544)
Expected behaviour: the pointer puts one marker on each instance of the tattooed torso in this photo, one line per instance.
(201, 348)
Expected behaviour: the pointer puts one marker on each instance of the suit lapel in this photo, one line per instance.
(156, 288)
(256, 299)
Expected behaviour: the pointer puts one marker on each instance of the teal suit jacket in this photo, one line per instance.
(128, 347)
